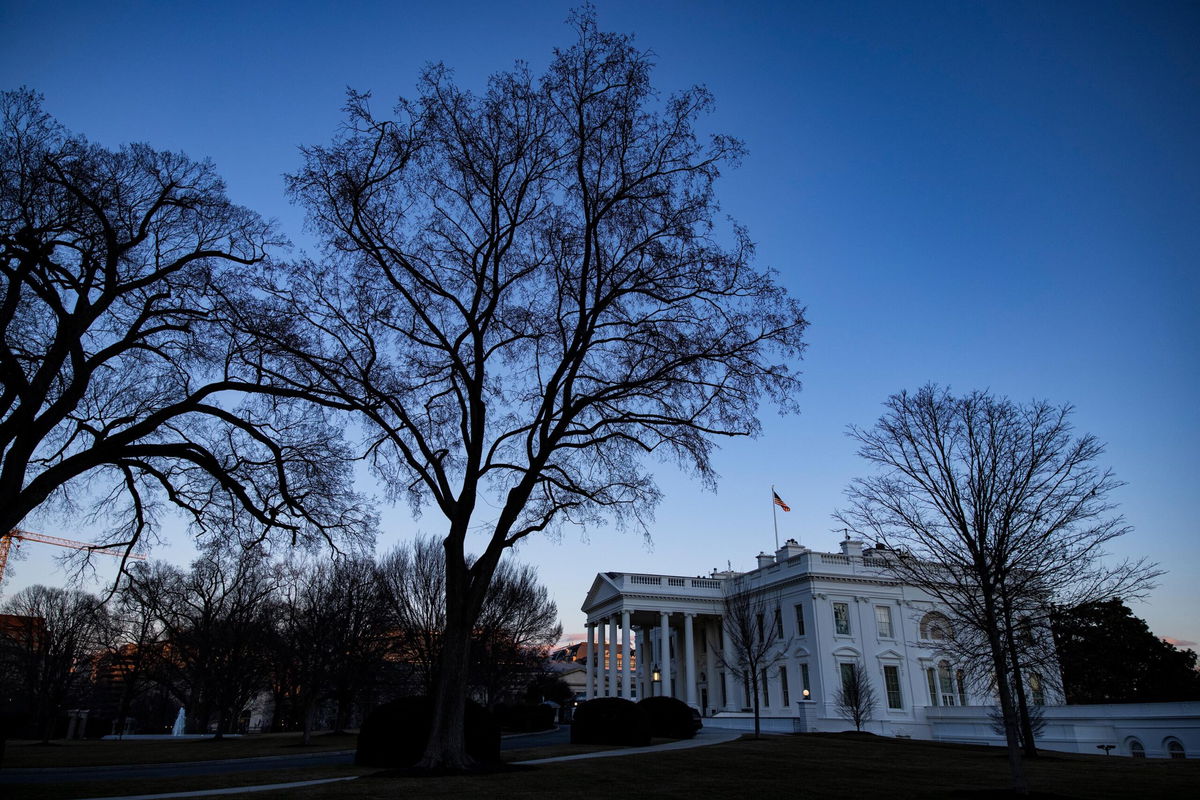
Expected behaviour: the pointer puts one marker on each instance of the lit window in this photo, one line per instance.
(891, 681)
(883, 621)
(1036, 689)
(841, 619)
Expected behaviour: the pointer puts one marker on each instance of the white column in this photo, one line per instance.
(601, 649)
(732, 698)
(710, 664)
(591, 655)
(689, 654)
(626, 666)
(665, 644)
(612, 656)
(642, 654)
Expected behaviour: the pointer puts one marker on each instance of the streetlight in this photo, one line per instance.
(655, 677)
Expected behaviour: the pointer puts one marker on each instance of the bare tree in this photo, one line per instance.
(330, 633)
(855, 699)
(997, 510)
(119, 384)
(524, 295)
(516, 629)
(518, 620)
(47, 642)
(134, 649)
(414, 582)
(215, 624)
(752, 624)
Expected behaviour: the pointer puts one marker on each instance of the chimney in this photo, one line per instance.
(790, 548)
(765, 560)
(852, 547)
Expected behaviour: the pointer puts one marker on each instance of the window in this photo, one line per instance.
(960, 678)
(783, 687)
(746, 689)
(1036, 690)
(841, 619)
(799, 619)
(761, 634)
(931, 677)
(724, 691)
(804, 684)
(934, 627)
(778, 624)
(891, 682)
(1175, 749)
(883, 621)
(946, 692)
(1136, 749)
(847, 676)
(766, 691)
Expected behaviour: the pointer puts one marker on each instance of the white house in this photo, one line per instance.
(829, 611)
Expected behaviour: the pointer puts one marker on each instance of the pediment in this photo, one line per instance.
(603, 590)
(846, 652)
(889, 655)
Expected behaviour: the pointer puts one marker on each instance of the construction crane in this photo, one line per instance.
(6, 541)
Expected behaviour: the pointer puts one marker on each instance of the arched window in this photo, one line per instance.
(1136, 749)
(935, 627)
(1174, 748)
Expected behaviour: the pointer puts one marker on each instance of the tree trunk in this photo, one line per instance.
(310, 711)
(1004, 691)
(446, 749)
(1018, 681)
(754, 691)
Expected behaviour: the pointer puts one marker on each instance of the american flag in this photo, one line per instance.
(779, 502)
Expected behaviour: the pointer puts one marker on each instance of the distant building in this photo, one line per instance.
(831, 613)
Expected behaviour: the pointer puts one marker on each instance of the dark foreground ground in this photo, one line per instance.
(806, 766)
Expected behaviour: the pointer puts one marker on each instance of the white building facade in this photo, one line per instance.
(829, 613)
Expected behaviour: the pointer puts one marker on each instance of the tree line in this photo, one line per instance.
(321, 638)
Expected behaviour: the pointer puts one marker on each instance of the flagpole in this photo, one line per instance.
(774, 516)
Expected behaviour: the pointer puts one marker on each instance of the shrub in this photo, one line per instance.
(610, 720)
(394, 734)
(670, 717)
(525, 717)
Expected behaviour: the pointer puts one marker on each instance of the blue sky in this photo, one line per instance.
(985, 195)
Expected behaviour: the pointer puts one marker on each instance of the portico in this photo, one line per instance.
(675, 624)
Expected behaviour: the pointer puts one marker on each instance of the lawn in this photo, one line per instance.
(808, 765)
(105, 752)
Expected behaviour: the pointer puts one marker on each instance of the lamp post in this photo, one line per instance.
(655, 680)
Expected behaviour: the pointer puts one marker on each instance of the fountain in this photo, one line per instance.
(177, 728)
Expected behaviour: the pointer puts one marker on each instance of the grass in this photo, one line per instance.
(107, 752)
(809, 765)
(71, 791)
